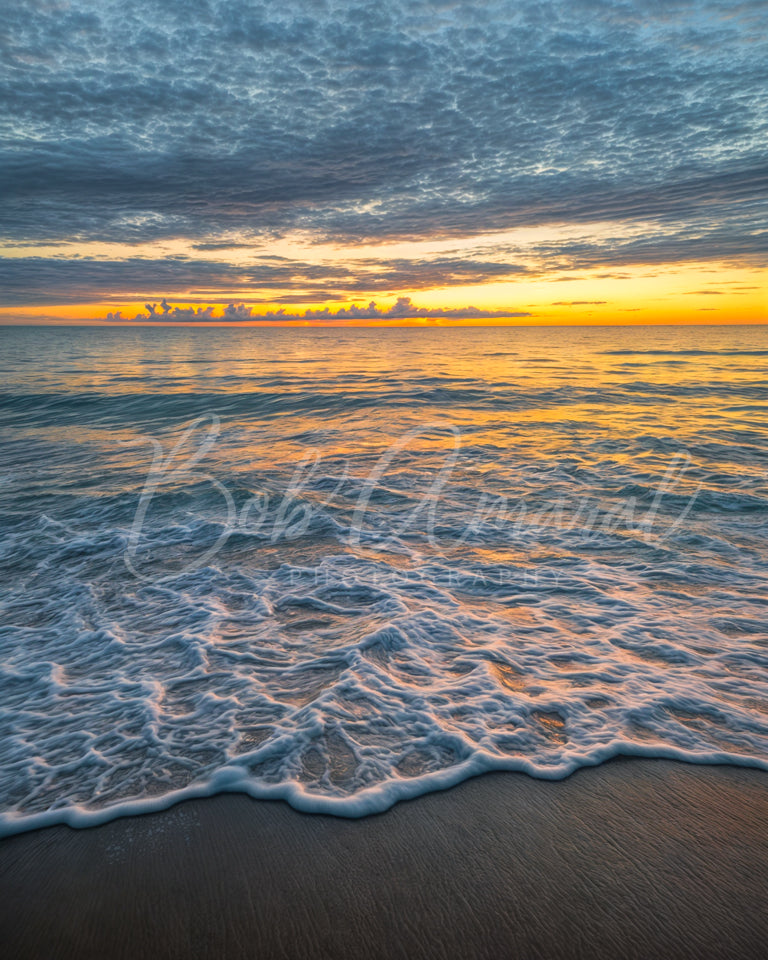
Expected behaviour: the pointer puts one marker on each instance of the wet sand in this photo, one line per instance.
(637, 858)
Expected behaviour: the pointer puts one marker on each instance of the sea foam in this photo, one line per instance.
(359, 580)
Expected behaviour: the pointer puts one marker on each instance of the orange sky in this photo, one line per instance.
(691, 293)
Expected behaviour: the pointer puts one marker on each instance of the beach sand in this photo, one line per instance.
(636, 858)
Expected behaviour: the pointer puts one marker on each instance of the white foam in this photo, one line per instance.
(541, 611)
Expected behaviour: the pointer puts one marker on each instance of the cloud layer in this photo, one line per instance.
(201, 120)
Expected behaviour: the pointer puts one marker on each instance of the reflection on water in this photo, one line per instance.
(344, 566)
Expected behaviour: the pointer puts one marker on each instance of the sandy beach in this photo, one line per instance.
(636, 858)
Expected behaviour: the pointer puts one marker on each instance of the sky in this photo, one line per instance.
(395, 161)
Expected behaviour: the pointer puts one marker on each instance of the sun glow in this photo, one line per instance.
(692, 293)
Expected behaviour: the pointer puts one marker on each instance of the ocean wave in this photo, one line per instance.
(350, 590)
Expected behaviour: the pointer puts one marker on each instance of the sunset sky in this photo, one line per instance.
(589, 161)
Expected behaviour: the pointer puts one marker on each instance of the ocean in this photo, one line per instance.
(344, 567)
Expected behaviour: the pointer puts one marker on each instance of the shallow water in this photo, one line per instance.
(349, 566)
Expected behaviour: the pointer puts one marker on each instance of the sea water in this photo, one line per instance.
(346, 567)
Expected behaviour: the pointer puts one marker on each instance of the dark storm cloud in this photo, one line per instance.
(384, 119)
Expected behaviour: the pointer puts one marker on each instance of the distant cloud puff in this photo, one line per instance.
(403, 309)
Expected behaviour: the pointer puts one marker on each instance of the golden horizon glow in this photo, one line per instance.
(667, 294)
(610, 294)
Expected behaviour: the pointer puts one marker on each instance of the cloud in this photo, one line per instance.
(38, 280)
(213, 120)
(221, 245)
(42, 280)
(403, 309)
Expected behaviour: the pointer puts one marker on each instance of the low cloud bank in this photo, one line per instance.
(403, 309)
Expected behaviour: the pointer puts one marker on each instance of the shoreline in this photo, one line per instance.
(632, 858)
(366, 803)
